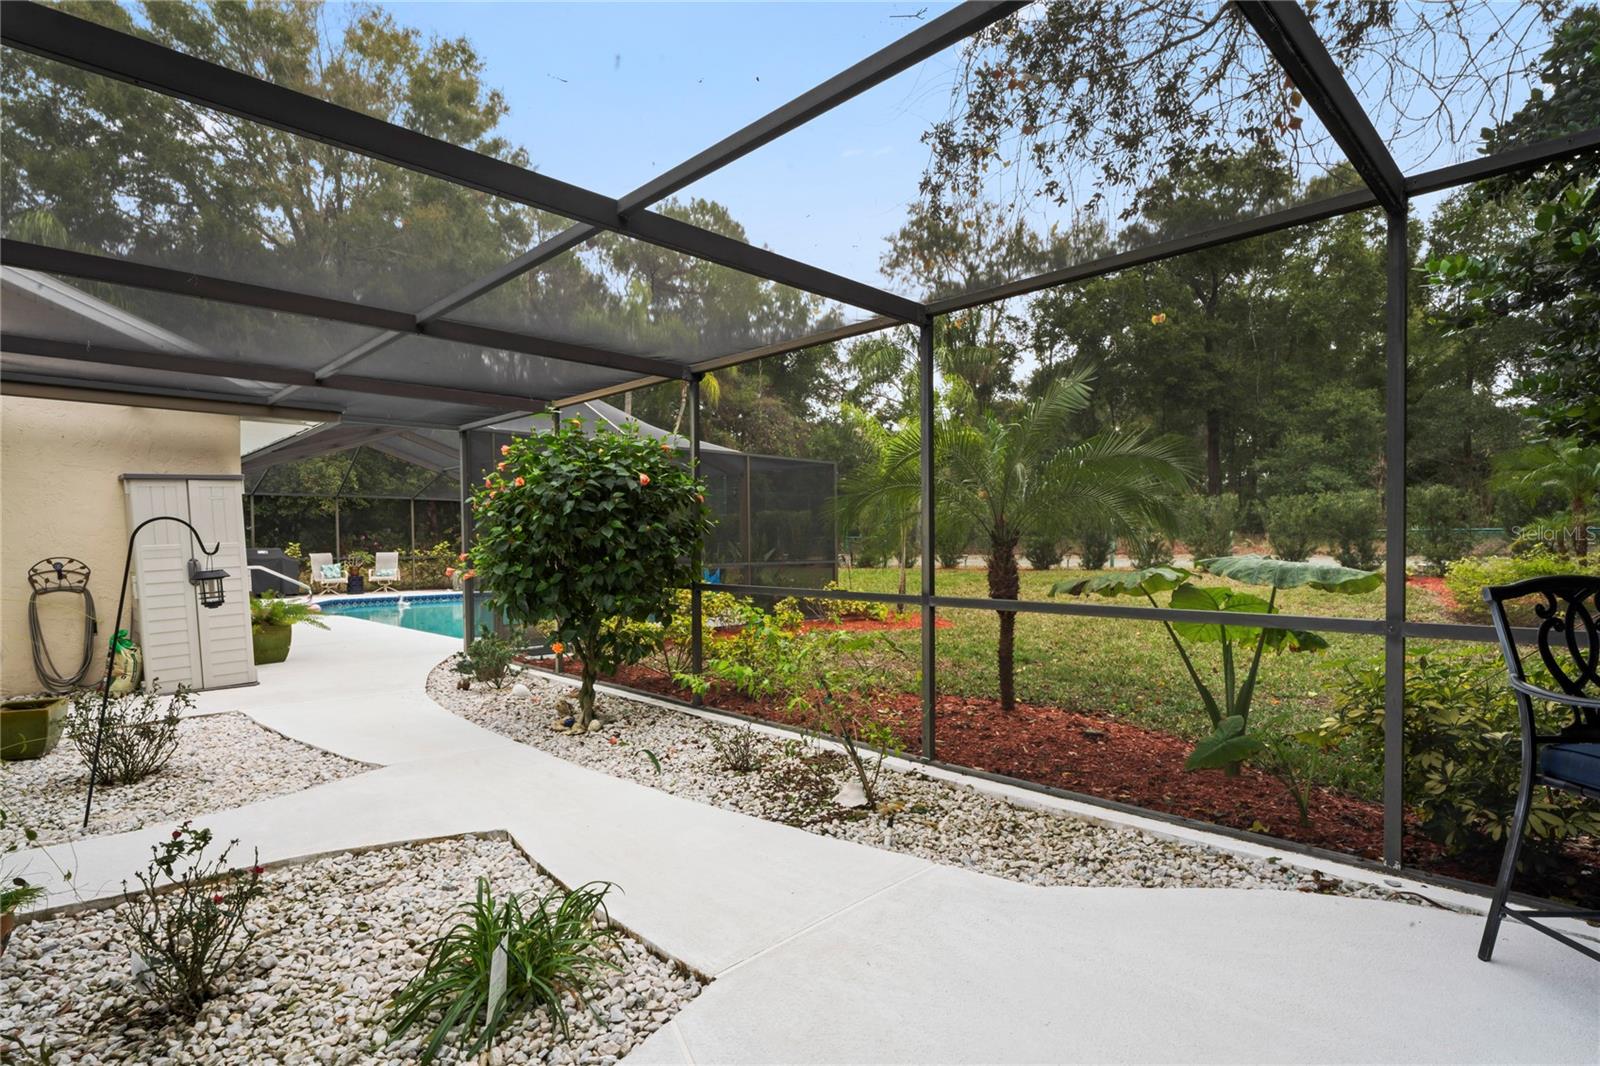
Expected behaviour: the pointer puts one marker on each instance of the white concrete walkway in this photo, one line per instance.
(825, 951)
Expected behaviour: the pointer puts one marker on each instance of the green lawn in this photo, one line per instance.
(1129, 668)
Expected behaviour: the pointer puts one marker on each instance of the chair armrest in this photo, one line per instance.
(1534, 691)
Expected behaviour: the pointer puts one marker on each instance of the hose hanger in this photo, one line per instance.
(62, 574)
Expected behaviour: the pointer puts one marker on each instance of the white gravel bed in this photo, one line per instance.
(222, 761)
(937, 820)
(337, 937)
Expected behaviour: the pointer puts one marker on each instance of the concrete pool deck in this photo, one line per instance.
(828, 951)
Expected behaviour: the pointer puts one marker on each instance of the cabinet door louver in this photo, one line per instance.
(168, 633)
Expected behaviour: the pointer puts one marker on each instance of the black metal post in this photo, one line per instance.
(111, 644)
(926, 589)
(468, 607)
(696, 619)
(746, 548)
(1394, 587)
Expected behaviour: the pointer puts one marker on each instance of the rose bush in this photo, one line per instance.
(577, 535)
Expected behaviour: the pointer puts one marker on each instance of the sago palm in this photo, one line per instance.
(877, 495)
(1010, 477)
(1563, 468)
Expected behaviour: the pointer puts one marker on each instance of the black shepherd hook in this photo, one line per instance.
(111, 647)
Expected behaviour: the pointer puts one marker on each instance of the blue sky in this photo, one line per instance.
(609, 95)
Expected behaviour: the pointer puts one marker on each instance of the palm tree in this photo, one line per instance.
(877, 495)
(710, 393)
(1564, 468)
(1010, 477)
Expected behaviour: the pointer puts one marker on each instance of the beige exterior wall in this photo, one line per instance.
(59, 495)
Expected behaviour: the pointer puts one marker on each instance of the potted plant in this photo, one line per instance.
(271, 625)
(29, 728)
(356, 565)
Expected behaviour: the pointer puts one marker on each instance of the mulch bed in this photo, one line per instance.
(1435, 587)
(1102, 756)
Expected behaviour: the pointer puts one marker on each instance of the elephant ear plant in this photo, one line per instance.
(1240, 644)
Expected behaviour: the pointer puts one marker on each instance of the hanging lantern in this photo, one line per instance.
(208, 584)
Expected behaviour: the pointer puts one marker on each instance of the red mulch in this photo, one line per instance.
(1436, 587)
(1105, 757)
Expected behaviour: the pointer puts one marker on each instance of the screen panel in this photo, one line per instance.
(1037, 146)
(183, 187)
(1106, 708)
(535, 82)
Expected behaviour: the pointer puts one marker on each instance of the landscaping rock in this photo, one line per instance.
(945, 822)
(222, 761)
(345, 932)
(851, 795)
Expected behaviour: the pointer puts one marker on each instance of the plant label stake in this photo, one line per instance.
(497, 981)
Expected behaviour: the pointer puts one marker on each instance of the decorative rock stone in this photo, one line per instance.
(521, 691)
(937, 820)
(222, 760)
(329, 925)
(851, 794)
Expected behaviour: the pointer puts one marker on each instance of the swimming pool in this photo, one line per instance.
(437, 612)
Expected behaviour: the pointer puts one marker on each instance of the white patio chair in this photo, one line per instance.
(384, 572)
(327, 575)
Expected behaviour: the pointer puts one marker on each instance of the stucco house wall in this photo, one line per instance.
(59, 495)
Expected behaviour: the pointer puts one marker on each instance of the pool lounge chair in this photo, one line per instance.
(327, 575)
(384, 572)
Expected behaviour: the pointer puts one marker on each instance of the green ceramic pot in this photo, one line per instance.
(271, 643)
(30, 728)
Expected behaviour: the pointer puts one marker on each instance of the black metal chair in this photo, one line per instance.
(1568, 609)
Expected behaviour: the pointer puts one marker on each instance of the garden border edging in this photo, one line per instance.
(1110, 817)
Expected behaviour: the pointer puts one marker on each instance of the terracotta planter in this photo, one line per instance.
(30, 728)
(271, 643)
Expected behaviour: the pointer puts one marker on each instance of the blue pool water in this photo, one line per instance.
(437, 613)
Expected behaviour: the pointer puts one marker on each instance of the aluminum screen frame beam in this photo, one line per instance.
(1335, 206)
(1501, 163)
(222, 366)
(928, 40)
(1396, 322)
(944, 31)
(108, 269)
(543, 252)
(1288, 34)
(52, 34)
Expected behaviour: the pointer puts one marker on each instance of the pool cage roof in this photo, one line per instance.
(373, 462)
(279, 345)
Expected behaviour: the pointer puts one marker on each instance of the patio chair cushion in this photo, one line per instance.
(1578, 763)
(385, 571)
(330, 571)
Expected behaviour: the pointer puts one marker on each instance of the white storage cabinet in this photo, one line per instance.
(182, 642)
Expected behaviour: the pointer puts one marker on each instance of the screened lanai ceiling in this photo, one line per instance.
(392, 462)
(189, 216)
